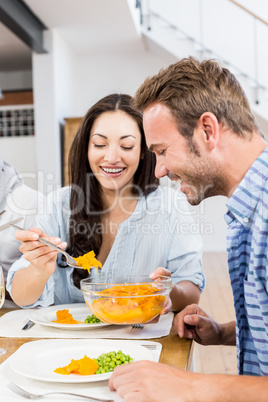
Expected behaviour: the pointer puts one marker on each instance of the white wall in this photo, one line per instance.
(208, 220)
(20, 152)
(53, 81)
(97, 75)
(210, 223)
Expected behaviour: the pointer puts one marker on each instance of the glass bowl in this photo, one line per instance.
(133, 300)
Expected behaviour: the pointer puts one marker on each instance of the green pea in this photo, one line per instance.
(92, 319)
(108, 361)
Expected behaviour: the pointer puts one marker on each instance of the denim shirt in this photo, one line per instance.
(157, 234)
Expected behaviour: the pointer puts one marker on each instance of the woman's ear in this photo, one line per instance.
(142, 155)
(208, 129)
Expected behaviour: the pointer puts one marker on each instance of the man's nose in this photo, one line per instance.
(160, 170)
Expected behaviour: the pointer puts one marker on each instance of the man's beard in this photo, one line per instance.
(205, 186)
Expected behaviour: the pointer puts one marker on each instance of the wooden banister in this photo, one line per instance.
(249, 12)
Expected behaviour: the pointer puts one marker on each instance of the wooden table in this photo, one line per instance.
(176, 352)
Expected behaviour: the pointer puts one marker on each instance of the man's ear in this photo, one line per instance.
(208, 129)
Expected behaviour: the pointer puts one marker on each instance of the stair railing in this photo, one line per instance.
(145, 18)
(255, 35)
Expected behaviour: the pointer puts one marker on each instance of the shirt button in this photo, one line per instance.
(246, 220)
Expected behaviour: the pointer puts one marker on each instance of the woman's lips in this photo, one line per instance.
(112, 172)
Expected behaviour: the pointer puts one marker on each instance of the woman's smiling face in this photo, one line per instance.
(114, 149)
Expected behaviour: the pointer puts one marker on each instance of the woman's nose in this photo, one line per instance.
(112, 155)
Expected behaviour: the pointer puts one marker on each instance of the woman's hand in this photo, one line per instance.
(157, 273)
(28, 283)
(160, 271)
(41, 257)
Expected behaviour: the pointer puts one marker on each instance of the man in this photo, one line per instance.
(18, 201)
(198, 123)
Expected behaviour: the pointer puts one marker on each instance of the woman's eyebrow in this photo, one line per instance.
(100, 135)
(126, 136)
(121, 138)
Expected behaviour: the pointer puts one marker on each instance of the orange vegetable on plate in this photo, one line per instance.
(64, 317)
(85, 366)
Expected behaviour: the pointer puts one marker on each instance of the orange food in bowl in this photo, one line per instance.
(85, 366)
(128, 304)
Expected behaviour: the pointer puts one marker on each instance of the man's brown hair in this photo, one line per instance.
(189, 88)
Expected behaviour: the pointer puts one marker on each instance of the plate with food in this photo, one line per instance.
(67, 316)
(75, 361)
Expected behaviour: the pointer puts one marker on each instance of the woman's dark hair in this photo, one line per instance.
(86, 203)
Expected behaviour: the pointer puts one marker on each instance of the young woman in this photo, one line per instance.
(115, 207)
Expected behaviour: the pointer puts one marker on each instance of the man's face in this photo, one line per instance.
(192, 163)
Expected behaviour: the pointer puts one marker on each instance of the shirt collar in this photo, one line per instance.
(244, 199)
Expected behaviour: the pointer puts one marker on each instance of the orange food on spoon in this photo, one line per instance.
(85, 366)
(64, 317)
(88, 261)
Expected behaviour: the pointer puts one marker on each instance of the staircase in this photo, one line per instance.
(157, 24)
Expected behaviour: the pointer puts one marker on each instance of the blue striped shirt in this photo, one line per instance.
(247, 248)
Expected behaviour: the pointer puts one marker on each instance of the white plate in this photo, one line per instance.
(79, 311)
(38, 359)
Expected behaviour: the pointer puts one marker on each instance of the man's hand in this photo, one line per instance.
(193, 323)
(146, 381)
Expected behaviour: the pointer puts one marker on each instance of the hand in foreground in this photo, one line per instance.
(37, 253)
(193, 323)
(147, 381)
